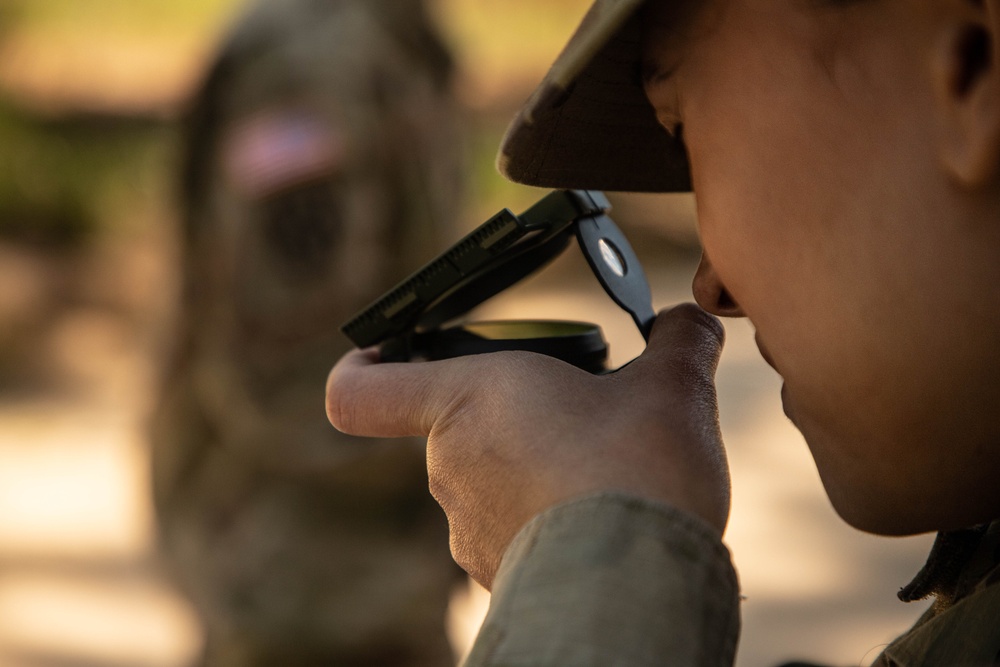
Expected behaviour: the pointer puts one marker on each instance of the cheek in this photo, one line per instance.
(860, 310)
(799, 264)
(783, 199)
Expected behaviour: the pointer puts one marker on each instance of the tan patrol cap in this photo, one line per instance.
(589, 124)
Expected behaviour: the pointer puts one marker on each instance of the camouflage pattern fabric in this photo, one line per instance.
(320, 168)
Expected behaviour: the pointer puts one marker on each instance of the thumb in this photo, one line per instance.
(684, 347)
(688, 331)
(671, 389)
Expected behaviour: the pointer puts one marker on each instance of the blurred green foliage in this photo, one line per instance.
(63, 175)
(62, 179)
(67, 174)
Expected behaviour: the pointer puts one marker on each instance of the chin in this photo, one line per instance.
(872, 514)
(880, 487)
(865, 494)
(908, 509)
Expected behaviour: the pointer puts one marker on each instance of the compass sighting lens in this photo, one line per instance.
(612, 257)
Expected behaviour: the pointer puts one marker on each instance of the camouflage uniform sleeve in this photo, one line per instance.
(612, 579)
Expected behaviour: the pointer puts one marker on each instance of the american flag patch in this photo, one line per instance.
(275, 151)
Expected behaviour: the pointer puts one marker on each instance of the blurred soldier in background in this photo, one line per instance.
(321, 167)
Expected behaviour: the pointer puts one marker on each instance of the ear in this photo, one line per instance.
(967, 85)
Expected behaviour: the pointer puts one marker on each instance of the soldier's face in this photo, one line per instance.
(827, 217)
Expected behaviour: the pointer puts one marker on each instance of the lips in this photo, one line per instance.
(763, 351)
(785, 404)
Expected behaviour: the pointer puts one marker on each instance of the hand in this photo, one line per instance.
(513, 433)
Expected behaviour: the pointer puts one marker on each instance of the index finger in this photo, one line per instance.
(365, 397)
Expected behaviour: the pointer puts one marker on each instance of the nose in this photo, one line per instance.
(711, 294)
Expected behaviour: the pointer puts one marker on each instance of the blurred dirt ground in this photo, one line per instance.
(79, 584)
(89, 93)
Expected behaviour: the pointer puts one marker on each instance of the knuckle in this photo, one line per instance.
(467, 558)
(436, 485)
(444, 485)
(459, 555)
(457, 548)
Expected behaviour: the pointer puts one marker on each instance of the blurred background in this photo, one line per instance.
(91, 255)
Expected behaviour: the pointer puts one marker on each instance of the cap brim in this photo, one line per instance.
(589, 124)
